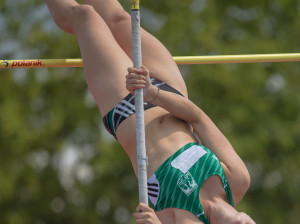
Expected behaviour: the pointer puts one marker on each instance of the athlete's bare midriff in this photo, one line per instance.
(165, 133)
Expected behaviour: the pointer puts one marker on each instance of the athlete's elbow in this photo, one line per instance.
(244, 181)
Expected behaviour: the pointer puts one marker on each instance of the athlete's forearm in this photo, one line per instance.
(184, 109)
(177, 105)
(180, 107)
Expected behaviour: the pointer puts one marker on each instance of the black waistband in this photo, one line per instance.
(126, 108)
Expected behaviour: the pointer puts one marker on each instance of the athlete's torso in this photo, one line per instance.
(165, 134)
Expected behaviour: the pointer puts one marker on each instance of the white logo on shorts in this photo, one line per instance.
(187, 183)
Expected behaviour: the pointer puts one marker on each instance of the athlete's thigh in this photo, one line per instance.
(177, 216)
(105, 63)
(166, 215)
(185, 217)
(155, 55)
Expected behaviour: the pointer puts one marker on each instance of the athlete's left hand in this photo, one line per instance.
(145, 215)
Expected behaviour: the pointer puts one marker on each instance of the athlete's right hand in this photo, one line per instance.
(140, 78)
(145, 215)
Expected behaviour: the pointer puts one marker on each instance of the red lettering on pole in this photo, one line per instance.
(15, 63)
(27, 63)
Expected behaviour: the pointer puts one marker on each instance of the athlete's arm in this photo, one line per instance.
(186, 110)
(209, 134)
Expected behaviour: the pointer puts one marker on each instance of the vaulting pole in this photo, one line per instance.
(139, 104)
(214, 59)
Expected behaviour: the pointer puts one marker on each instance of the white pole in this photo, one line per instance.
(139, 104)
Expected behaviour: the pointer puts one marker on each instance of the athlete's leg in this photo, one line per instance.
(177, 216)
(104, 61)
(60, 12)
(154, 55)
(216, 206)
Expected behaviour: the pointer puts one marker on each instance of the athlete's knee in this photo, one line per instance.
(83, 15)
(117, 17)
(83, 12)
(62, 18)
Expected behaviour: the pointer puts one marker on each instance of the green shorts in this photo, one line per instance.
(177, 182)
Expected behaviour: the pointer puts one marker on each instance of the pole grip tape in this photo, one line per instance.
(139, 105)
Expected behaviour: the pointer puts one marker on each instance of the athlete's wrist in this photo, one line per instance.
(151, 94)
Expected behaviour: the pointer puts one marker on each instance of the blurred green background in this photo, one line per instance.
(58, 165)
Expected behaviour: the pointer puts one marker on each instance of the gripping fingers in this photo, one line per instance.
(133, 83)
(141, 71)
(139, 78)
(142, 207)
(145, 215)
(135, 78)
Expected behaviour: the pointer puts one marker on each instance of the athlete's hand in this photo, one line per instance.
(140, 78)
(145, 215)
